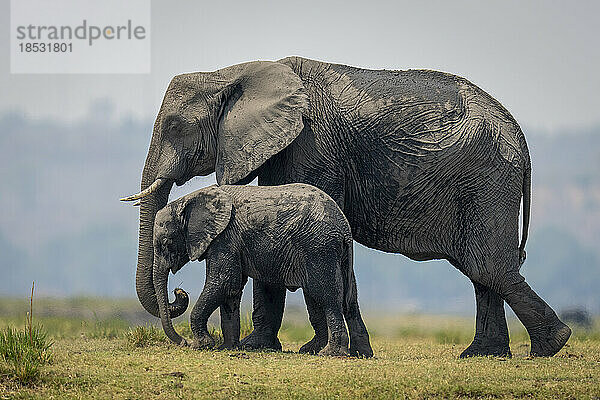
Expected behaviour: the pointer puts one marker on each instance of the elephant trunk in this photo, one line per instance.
(160, 276)
(149, 205)
(180, 304)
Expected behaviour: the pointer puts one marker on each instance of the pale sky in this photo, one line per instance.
(541, 59)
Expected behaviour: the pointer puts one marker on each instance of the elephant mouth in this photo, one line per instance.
(176, 268)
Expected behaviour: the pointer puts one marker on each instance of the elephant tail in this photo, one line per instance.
(526, 207)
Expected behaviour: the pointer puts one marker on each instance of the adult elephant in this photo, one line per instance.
(422, 163)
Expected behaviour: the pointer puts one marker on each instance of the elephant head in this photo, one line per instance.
(230, 122)
(183, 230)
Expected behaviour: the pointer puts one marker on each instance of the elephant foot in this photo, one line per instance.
(550, 340)
(259, 341)
(486, 347)
(315, 345)
(334, 351)
(229, 346)
(360, 347)
(203, 342)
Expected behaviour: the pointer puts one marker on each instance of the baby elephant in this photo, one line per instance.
(291, 235)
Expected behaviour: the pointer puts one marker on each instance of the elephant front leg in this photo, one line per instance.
(491, 331)
(268, 302)
(212, 296)
(230, 322)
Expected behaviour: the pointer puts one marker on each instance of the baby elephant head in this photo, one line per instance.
(183, 230)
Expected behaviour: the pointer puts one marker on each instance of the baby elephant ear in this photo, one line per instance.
(262, 115)
(205, 216)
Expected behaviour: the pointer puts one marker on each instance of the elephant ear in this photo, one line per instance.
(262, 115)
(205, 215)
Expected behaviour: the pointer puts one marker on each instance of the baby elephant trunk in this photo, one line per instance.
(164, 308)
(180, 304)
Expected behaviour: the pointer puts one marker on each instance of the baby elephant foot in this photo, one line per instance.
(259, 340)
(360, 347)
(315, 345)
(334, 351)
(549, 341)
(203, 342)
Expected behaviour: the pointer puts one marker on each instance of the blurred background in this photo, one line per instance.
(72, 145)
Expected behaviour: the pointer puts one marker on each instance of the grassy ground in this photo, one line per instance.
(416, 357)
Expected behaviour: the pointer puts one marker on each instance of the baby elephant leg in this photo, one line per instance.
(211, 297)
(337, 342)
(317, 318)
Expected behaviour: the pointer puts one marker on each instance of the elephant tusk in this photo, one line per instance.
(149, 190)
(137, 203)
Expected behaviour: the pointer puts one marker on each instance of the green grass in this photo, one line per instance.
(24, 352)
(144, 336)
(148, 335)
(416, 357)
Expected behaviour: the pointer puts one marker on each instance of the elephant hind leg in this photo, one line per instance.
(548, 334)
(487, 246)
(491, 331)
(496, 269)
(328, 296)
(327, 309)
(337, 341)
(359, 337)
(317, 318)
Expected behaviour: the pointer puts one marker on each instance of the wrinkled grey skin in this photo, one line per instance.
(180, 304)
(292, 236)
(422, 163)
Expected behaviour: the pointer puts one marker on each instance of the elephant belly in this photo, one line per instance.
(271, 261)
(399, 220)
(406, 206)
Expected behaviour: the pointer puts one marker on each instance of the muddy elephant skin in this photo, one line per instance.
(290, 236)
(422, 163)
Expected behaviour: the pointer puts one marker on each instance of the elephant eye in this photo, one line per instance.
(174, 127)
